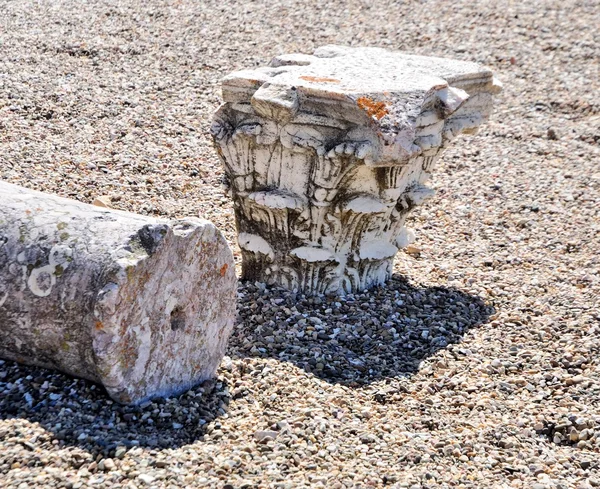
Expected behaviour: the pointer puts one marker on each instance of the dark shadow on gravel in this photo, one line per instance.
(384, 333)
(79, 413)
(360, 339)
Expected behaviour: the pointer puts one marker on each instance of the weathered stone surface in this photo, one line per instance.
(328, 153)
(142, 305)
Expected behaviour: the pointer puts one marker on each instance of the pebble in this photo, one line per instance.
(146, 479)
(103, 201)
(262, 436)
(106, 464)
(120, 452)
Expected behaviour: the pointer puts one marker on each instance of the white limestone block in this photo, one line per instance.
(141, 305)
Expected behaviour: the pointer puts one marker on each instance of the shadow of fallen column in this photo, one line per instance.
(382, 333)
(385, 332)
(76, 412)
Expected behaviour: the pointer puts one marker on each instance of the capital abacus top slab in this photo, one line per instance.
(327, 153)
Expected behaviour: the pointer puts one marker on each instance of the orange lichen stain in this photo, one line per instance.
(99, 325)
(318, 79)
(373, 108)
(27, 211)
(223, 270)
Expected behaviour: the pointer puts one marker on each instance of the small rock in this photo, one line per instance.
(146, 479)
(103, 201)
(413, 250)
(577, 379)
(263, 436)
(367, 438)
(106, 464)
(120, 452)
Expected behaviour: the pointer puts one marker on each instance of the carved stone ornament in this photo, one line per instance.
(327, 153)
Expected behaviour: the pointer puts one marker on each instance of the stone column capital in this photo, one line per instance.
(328, 152)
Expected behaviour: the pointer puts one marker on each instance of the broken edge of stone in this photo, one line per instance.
(203, 320)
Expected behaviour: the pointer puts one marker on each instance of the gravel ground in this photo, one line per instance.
(477, 366)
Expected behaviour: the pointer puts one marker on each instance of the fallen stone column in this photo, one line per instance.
(328, 153)
(141, 305)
